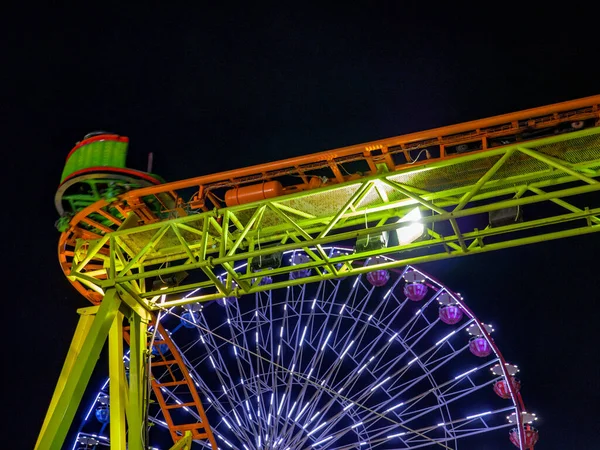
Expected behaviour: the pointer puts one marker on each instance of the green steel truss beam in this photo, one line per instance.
(556, 179)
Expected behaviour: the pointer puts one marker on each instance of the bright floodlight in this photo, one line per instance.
(413, 228)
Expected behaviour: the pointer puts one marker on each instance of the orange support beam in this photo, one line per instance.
(171, 370)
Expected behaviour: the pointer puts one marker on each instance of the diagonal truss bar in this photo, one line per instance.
(557, 164)
(415, 197)
(306, 236)
(191, 257)
(484, 179)
(565, 205)
(354, 199)
(251, 223)
(151, 243)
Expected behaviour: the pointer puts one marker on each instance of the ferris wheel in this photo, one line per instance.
(384, 360)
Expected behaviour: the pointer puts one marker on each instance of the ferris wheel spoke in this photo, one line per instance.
(381, 373)
(266, 363)
(345, 344)
(283, 379)
(409, 416)
(410, 437)
(323, 333)
(225, 379)
(440, 360)
(358, 350)
(373, 417)
(334, 369)
(418, 442)
(315, 362)
(398, 386)
(333, 420)
(446, 395)
(452, 390)
(246, 398)
(219, 364)
(406, 335)
(409, 404)
(271, 370)
(446, 424)
(445, 344)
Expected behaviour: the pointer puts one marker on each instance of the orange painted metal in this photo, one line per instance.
(253, 193)
(175, 374)
(380, 151)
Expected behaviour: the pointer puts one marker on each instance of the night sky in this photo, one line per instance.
(211, 90)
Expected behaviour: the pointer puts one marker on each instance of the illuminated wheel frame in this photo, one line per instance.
(341, 364)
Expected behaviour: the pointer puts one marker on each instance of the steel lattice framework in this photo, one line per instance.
(133, 245)
(455, 197)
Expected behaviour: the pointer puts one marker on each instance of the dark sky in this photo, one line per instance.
(209, 90)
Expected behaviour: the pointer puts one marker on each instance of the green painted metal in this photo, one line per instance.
(137, 384)
(82, 357)
(105, 153)
(90, 190)
(454, 196)
(118, 385)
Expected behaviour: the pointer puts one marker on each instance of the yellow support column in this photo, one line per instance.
(83, 327)
(85, 350)
(137, 380)
(118, 385)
